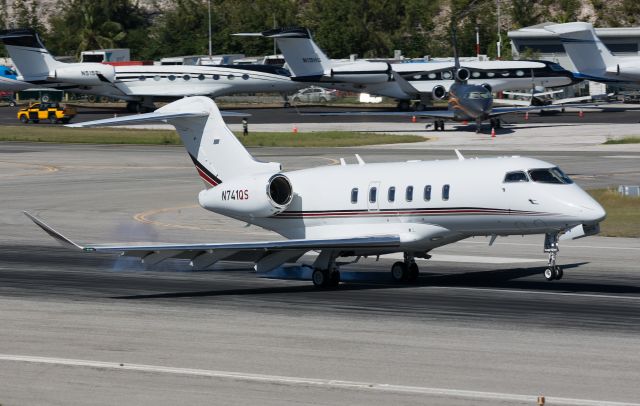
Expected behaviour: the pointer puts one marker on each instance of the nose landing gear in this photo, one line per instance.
(553, 271)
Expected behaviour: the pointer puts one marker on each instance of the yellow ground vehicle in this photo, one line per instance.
(46, 111)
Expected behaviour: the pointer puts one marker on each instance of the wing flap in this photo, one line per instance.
(243, 251)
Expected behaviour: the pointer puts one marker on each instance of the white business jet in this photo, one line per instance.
(363, 209)
(139, 85)
(592, 58)
(406, 81)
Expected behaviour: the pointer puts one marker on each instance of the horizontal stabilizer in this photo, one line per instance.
(150, 117)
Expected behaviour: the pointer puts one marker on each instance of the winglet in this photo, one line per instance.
(359, 159)
(459, 154)
(53, 233)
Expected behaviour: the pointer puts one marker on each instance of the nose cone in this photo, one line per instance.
(591, 211)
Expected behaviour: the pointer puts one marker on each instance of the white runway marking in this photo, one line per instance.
(298, 381)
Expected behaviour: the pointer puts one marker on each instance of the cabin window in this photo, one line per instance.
(490, 74)
(432, 76)
(245, 77)
(157, 77)
(354, 195)
(427, 193)
(201, 77)
(475, 74)
(519, 73)
(142, 78)
(186, 77)
(373, 194)
(216, 77)
(172, 77)
(391, 195)
(549, 175)
(446, 75)
(409, 193)
(231, 76)
(517, 176)
(445, 192)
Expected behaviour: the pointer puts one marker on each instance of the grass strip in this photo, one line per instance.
(626, 140)
(35, 133)
(623, 213)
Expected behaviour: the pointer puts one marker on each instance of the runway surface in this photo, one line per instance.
(481, 327)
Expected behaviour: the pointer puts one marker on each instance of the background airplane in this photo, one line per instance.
(406, 81)
(9, 81)
(592, 58)
(139, 85)
(358, 210)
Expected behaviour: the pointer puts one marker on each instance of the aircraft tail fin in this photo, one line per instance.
(300, 51)
(215, 151)
(589, 55)
(31, 58)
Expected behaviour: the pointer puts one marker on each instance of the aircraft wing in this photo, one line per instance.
(208, 253)
(498, 111)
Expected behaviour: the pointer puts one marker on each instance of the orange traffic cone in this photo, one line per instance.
(526, 115)
(295, 130)
(580, 114)
(413, 119)
(465, 122)
(493, 132)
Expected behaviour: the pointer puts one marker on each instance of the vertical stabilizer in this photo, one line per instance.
(302, 54)
(30, 57)
(589, 55)
(213, 148)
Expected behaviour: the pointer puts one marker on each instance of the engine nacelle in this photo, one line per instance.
(487, 86)
(250, 196)
(439, 92)
(86, 73)
(361, 73)
(463, 74)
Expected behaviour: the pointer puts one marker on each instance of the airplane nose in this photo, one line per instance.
(594, 212)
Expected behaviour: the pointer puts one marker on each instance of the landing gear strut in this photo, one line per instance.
(553, 271)
(438, 125)
(406, 271)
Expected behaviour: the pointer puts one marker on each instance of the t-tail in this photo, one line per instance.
(302, 54)
(214, 149)
(589, 55)
(28, 54)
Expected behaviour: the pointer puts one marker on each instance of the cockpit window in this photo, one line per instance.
(518, 176)
(479, 95)
(549, 175)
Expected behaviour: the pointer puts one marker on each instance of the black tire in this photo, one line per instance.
(441, 125)
(334, 279)
(549, 274)
(295, 100)
(53, 119)
(399, 271)
(557, 273)
(413, 272)
(12, 104)
(36, 121)
(24, 119)
(320, 278)
(287, 105)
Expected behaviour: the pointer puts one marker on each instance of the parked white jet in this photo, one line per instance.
(406, 81)
(139, 85)
(592, 58)
(361, 209)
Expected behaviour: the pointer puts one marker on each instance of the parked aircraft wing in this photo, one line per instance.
(154, 253)
(150, 117)
(434, 114)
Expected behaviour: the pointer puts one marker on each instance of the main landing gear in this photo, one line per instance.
(406, 271)
(438, 125)
(553, 271)
(326, 273)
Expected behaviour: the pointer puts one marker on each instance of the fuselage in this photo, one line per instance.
(470, 102)
(430, 203)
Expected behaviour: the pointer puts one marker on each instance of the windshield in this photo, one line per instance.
(549, 175)
(479, 95)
